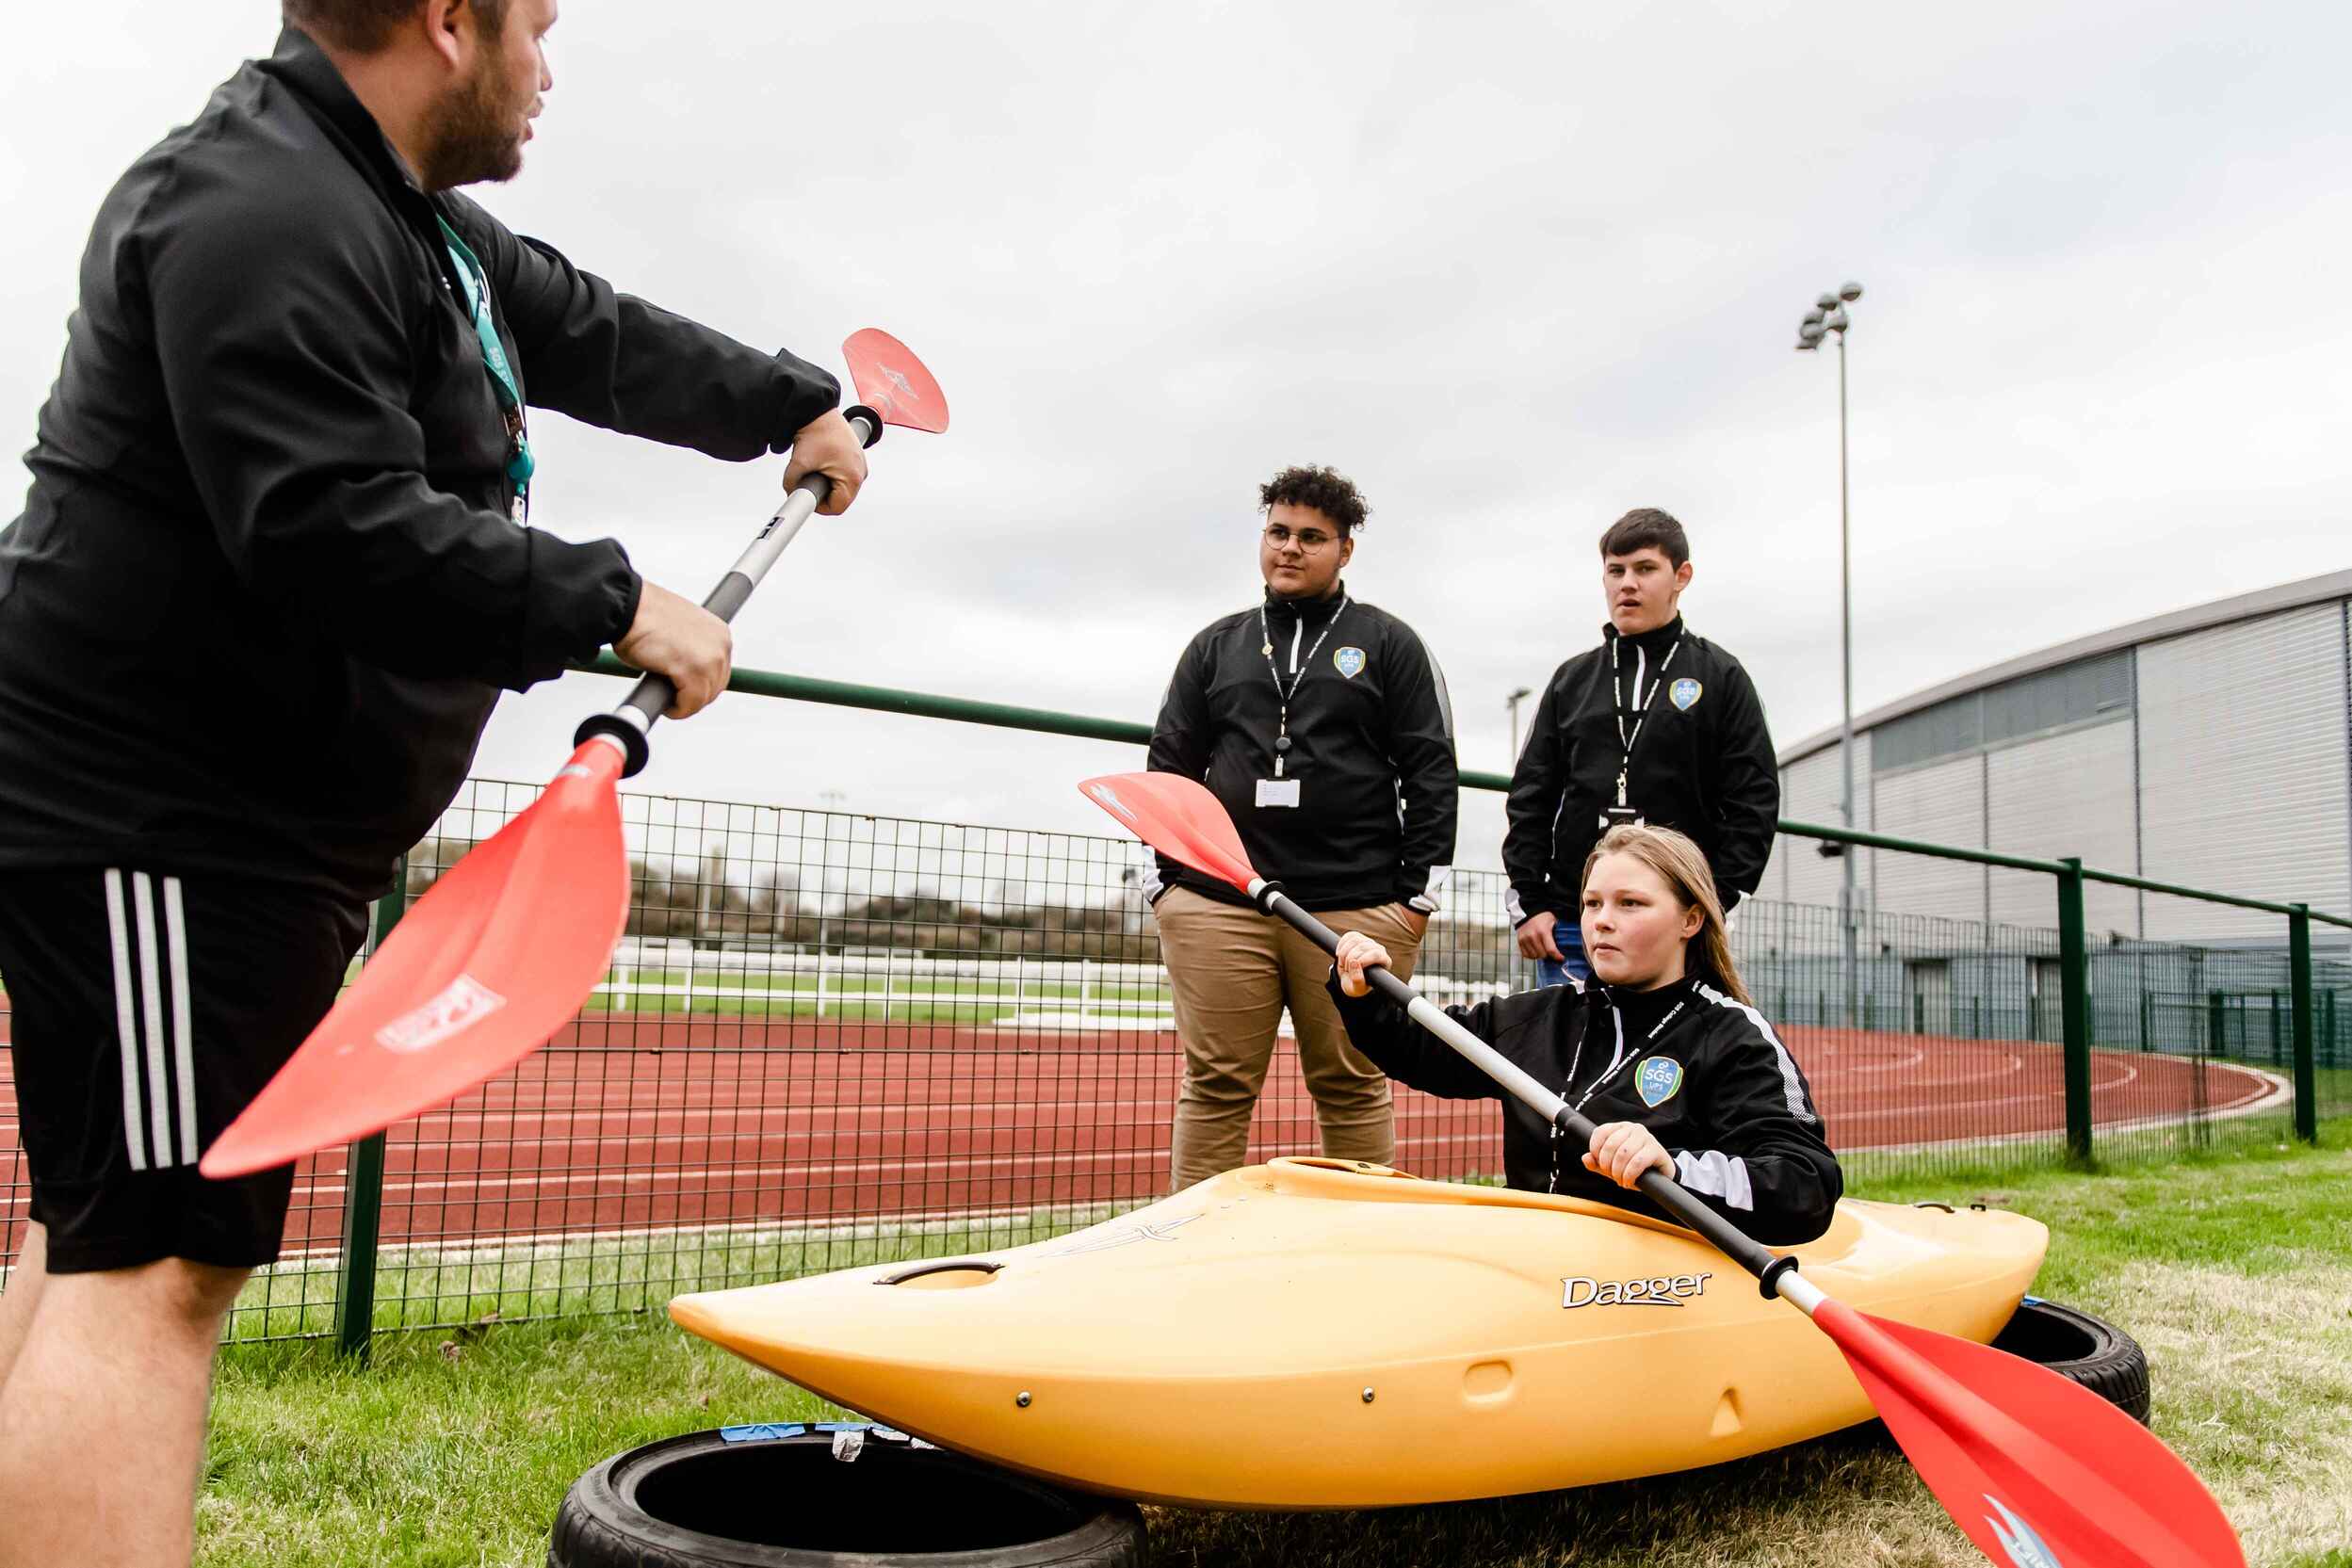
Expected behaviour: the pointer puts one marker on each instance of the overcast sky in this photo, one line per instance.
(1514, 267)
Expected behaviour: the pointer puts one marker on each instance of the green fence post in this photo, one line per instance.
(2074, 1009)
(2299, 976)
(363, 1189)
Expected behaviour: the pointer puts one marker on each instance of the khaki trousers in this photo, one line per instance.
(1233, 971)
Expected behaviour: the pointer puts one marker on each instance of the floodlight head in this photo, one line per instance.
(1810, 333)
(1812, 318)
(1807, 346)
(1849, 291)
(1827, 303)
(1836, 320)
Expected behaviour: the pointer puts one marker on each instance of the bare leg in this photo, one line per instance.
(101, 1419)
(22, 1296)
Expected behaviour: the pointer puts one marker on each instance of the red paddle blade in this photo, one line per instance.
(893, 383)
(496, 957)
(2037, 1471)
(1178, 818)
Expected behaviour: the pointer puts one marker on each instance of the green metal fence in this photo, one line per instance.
(829, 1037)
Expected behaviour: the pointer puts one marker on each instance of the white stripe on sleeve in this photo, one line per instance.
(1718, 1175)
(1445, 698)
(1791, 1086)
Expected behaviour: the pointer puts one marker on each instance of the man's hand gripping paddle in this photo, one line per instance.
(2037, 1471)
(502, 950)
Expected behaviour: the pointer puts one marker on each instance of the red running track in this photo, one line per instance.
(629, 1123)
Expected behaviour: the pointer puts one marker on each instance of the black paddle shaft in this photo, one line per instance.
(629, 724)
(1655, 1185)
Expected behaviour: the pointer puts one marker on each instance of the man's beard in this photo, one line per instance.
(471, 135)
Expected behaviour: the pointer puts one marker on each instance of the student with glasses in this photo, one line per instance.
(1322, 726)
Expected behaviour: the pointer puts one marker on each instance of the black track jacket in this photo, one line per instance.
(1702, 764)
(265, 584)
(1715, 1087)
(1371, 746)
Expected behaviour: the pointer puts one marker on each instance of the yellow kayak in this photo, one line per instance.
(1318, 1333)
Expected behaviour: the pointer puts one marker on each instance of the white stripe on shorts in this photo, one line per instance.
(182, 1030)
(134, 1136)
(151, 994)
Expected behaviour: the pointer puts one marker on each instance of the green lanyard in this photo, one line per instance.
(519, 461)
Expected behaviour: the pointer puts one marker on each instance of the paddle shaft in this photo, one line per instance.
(629, 725)
(1775, 1271)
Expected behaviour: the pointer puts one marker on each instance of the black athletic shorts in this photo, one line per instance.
(146, 1012)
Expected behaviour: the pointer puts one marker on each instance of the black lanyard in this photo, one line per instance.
(1617, 1058)
(1282, 732)
(1641, 705)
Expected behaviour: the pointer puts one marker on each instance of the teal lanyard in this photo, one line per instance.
(519, 461)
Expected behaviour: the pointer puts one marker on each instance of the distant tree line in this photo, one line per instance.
(703, 902)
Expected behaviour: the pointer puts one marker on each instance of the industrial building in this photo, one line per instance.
(2211, 747)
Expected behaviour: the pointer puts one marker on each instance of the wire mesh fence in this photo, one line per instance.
(828, 1039)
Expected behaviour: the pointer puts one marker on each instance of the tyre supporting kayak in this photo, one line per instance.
(832, 1495)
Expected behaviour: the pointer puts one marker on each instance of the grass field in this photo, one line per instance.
(2234, 1270)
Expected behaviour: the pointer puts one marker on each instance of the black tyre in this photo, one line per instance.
(2076, 1345)
(787, 1501)
(2081, 1348)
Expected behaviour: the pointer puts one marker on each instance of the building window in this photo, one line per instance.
(2083, 692)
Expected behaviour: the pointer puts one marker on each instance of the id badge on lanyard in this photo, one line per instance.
(1283, 788)
(1622, 814)
(1277, 792)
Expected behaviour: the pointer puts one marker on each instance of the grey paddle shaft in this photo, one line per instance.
(1655, 1185)
(627, 725)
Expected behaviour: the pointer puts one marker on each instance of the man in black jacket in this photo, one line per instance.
(1322, 726)
(1655, 725)
(274, 566)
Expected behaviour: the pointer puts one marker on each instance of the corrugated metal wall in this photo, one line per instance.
(1942, 803)
(2240, 781)
(1809, 793)
(2243, 770)
(2066, 794)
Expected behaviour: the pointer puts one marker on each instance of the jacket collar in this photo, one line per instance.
(1641, 1009)
(1656, 640)
(1311, 609)
(304, 68)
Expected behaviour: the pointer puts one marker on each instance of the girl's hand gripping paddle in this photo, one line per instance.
(2038, 1472)
(502, 950)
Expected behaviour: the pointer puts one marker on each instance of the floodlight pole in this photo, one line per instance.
(1512, 703)
(1846, 729)
(1829, 315)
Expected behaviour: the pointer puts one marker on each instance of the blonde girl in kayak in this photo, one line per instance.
(1661, 1048)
